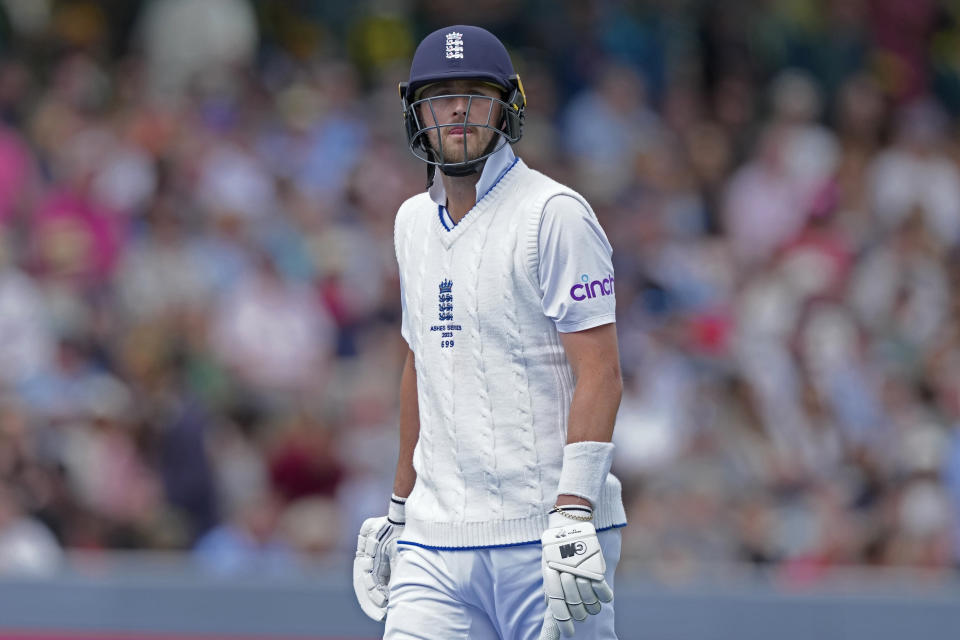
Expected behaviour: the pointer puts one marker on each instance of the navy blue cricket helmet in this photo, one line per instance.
(461, 52)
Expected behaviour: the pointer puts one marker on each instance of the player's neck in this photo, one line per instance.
(461, 194)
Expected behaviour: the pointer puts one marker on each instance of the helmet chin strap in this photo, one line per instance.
(464, 169)
(454, 172)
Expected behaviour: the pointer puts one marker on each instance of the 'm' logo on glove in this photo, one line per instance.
(575, 548)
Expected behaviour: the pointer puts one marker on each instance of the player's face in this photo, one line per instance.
(458, 106)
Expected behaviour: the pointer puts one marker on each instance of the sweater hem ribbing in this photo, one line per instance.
(462, 535)
(495, 546)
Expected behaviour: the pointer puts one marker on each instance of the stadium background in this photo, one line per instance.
(199, 304)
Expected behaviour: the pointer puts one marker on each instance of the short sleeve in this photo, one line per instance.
(575, 267)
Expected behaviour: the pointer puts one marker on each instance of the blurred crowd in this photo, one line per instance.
(199, 304)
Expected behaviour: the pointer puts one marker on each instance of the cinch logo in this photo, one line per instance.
(587, 289)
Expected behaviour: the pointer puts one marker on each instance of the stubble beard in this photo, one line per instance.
(477, 144)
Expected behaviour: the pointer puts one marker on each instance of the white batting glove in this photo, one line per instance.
(573, 575)
(376, 552)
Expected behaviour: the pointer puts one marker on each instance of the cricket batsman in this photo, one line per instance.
(504, 520)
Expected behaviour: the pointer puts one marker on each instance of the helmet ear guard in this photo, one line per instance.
(513, 118)
(410, 120)
(412, 128)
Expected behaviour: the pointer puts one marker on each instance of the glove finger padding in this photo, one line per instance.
(590, 600)
(603, 591)
(587, 594)
(572, 596)
(573, 574)
(549, 630)
(561, 615)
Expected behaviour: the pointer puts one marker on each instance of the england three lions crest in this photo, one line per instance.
(446, 301)
(454, 48)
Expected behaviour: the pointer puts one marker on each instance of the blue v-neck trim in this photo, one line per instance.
(447, 220)
(497, 181)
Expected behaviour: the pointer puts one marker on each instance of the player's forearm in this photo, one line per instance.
(596, 398)
(593, 410)
(594, 358)
(409, 428)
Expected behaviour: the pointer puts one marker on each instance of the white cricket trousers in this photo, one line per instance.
(482, 594)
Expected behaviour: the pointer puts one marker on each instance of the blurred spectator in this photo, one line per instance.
(185, 465)
(606, 127)
(265, 307)
(810, 150)
(158, 278)
(17, 175)
(235, 183)
(312, 525)
(248, 542)
(916, 175)
(101, 454)
(766, 207)
(196, 40)
(239, 465)
(26, 546)
(28, 344)
(75, 240)
(303, 462)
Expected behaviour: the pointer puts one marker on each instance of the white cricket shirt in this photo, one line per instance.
(483, 304)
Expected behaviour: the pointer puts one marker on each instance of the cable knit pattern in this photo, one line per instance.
(518, 365)
(485, 420)
(494, 385)
(424, 451)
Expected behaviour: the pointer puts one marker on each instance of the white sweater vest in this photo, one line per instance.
(494, 385)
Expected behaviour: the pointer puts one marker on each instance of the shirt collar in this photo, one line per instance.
(495, 166)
